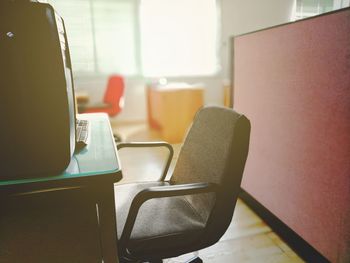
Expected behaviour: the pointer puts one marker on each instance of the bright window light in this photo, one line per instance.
(178, 38)
(151, 38)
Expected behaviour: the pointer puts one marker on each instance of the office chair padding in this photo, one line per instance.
(207, 153)
(159, 221)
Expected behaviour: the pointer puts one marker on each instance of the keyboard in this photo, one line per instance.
(82, 133)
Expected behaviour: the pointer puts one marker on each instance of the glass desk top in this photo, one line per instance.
(97, 158)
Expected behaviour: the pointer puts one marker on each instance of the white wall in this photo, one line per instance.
(135, 100)
(237, 17)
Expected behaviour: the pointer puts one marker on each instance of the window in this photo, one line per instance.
(307, 8)
(101, 34)
(178, 37)
(141, 37)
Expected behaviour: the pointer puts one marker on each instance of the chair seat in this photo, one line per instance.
(161, 223)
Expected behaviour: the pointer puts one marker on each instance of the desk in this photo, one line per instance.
(81, 100)
(82, 97)
(171, 109)
(88, 181)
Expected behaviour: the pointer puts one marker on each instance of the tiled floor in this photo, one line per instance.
(248, 238)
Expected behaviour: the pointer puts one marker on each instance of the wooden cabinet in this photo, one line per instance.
(171, 109)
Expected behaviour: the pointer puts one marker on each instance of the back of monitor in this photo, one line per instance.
(35, 134)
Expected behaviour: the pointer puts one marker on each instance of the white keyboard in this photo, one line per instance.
(82, 133)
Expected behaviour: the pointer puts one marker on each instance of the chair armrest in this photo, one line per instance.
(151, 144)
(160, 192)
(175, 190)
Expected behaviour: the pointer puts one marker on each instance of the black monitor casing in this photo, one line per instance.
(37, 112)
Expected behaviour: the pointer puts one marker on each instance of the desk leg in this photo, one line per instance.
(108, 229)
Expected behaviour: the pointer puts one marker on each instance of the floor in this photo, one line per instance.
(248, 238)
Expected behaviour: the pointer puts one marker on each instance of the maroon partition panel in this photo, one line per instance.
(293, 83)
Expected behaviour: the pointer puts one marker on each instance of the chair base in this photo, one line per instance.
(192, 260)
(117, 138)
(195, 260)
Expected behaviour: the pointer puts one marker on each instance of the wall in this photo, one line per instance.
(135, 102)
(237, 17)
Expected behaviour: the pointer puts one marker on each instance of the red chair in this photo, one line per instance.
(113, 101)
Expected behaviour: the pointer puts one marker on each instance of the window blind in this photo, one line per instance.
(101, 34)
(141, 37)
(308, 8)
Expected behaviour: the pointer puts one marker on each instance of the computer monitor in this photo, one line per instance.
(69, 78)
(37, 108)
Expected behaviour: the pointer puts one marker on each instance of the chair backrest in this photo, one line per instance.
(114, 94)
(215, 151)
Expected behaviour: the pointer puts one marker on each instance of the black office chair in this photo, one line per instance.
(191, 211)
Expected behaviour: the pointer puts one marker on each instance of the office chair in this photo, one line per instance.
(192, 210)
(113, 100)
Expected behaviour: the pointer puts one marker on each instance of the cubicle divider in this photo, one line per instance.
(292, 81)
